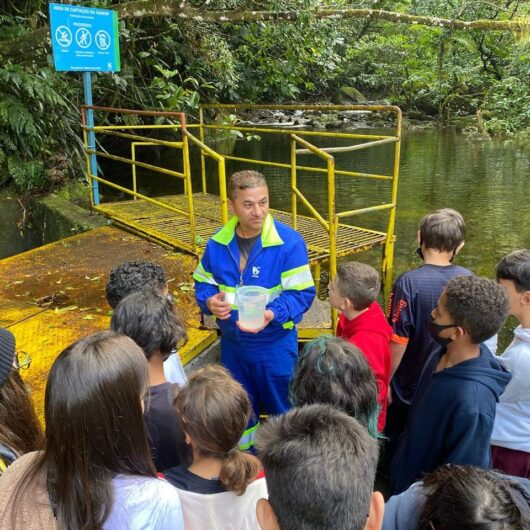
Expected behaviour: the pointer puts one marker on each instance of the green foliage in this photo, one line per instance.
(36, 120)
(280, 65)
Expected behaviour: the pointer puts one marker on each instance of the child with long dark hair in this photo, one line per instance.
(20, 431)
(222, 486)
(95, 471)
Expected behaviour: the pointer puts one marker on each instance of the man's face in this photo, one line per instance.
(251, 207)
(515, 297)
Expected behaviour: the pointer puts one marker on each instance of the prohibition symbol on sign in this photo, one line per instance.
(63, 36)
(83, 38)
(102, 40)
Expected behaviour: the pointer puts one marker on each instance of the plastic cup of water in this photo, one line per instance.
(251, 302)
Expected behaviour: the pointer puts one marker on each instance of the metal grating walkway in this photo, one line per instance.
(172, 229)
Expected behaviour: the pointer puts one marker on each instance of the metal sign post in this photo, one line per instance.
(85, 39)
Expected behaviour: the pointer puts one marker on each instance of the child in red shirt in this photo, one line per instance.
(362, 322)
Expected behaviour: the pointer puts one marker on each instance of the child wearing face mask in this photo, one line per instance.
(453, 409)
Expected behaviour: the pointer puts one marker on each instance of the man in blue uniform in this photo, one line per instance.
(254, 249)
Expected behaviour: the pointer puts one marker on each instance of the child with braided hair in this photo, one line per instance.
(222, 486)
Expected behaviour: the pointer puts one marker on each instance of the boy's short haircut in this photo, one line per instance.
(319, 465)
(148, 317)
(132, 276)
(359, 283)
(243, 180)
(516, 267)
(331, 370)
(443, 230)
(478, 305)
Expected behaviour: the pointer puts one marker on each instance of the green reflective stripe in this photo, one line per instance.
(298, 281)
(202, 275)
(288, 325)
(275, 288)
(200, 268)
(226, 234)
(302, 286)
(269, 234)
(227, 289)
(296, 270)
(249, 437)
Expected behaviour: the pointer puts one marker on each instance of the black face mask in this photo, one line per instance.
(435, 330)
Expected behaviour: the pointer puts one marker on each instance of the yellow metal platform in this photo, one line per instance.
(55, 294)
(173, 230)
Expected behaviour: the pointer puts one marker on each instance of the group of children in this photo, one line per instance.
(130, 442)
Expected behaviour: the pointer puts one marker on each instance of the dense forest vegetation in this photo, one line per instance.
(175, 55)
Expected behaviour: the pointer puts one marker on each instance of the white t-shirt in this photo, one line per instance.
(142, 503)
(173, 369)
(512, 420)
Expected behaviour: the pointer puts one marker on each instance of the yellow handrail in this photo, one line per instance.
(221, 171)
(135, 162)
(139, 138)
(141, 196)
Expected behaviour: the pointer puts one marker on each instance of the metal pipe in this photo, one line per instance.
(348, 148)
(141, 164)
(139, 138)
(141, 196)
(368, 209)
(299, 132)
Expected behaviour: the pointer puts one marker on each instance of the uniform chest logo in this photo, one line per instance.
(255, 272)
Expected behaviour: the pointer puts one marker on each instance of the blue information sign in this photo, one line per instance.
(84, 39)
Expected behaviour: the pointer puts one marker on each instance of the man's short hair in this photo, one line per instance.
(148, 317)
(443, 230)
(359, 283)
(516, 267)
(478, 305)
(243, 180)
(132, 276)
(331, 370)
(319, 465)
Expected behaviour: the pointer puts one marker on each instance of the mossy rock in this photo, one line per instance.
(347, 95)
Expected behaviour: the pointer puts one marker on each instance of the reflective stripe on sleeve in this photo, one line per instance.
(202, 275)
(249, 437)
(230, 295)
(297, 279)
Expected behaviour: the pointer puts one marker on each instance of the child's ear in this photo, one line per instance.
(458, 332)
(347, 304)
(266, 517)
(418, 239)
(377, 509)
(187, 438)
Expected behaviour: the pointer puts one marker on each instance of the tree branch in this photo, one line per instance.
(169, 8)
(29, 44)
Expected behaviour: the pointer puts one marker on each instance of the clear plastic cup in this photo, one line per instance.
(251, 302)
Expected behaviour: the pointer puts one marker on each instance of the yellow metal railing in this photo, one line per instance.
(141, 140)
(221, 169)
